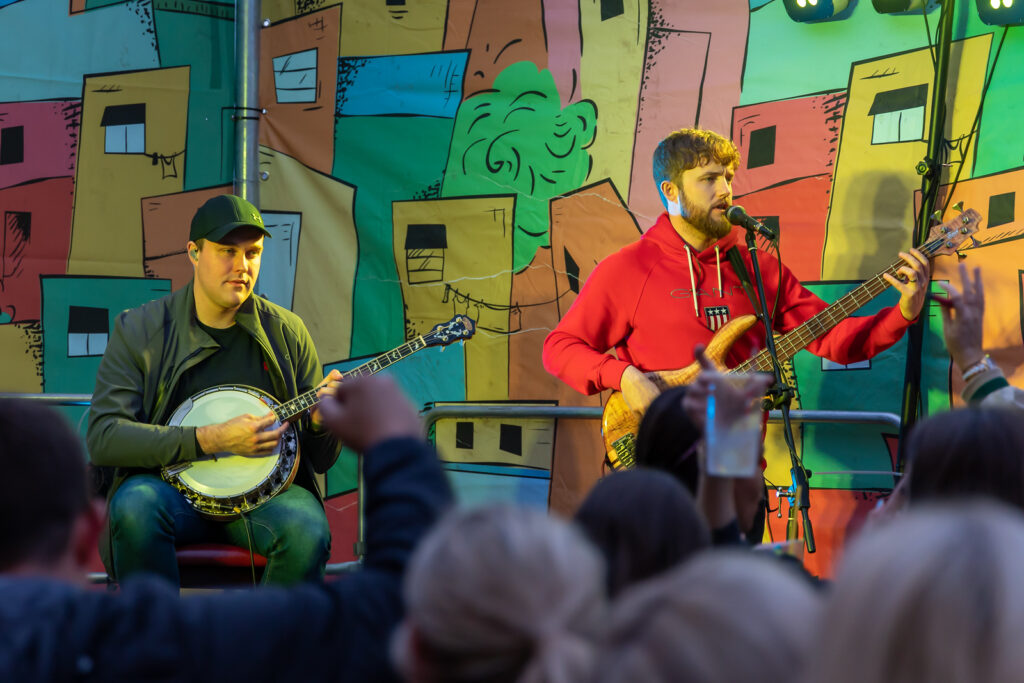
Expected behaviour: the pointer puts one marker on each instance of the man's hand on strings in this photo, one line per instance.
(328, 387)
(912, 283)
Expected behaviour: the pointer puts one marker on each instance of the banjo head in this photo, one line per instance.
(216, 487)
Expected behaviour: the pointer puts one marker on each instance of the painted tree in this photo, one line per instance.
(516, 138)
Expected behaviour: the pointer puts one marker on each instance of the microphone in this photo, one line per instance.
(737, 216)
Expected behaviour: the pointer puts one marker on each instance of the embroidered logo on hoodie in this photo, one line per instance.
(716, 316)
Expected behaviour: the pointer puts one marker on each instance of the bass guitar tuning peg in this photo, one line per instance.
(936, 217)
(960, 256)
(958, 207)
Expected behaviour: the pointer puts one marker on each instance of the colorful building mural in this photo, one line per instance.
(426, 159)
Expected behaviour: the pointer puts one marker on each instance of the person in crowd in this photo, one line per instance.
(962, 327)
(669, 439)
(501, 594)
(935, 595)
(733, 506)
(214, 331)
(975, 451)
(643, 522)
(53, 630)
(723, 616)
(969, 452)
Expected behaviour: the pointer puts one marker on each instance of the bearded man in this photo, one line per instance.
(654, 300)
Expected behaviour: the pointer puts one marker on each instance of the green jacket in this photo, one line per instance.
(152, 346)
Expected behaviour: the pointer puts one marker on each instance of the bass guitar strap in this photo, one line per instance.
(733, 254)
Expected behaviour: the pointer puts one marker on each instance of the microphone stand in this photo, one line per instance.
(780, 396)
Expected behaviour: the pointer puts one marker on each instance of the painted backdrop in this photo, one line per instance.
(427, 158)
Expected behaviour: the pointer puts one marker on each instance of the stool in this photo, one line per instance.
(207, 565)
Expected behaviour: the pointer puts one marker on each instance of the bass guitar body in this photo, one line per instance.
(620, 423)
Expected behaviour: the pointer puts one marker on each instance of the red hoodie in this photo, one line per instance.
(639, 301)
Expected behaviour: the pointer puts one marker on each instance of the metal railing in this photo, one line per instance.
(432, 414)
(435, 413)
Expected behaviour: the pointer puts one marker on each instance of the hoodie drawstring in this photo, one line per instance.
(718, 262)
(693, 281)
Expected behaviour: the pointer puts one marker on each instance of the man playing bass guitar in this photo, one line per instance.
(675, 287)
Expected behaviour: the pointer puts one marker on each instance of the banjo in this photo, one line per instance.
(225, 485)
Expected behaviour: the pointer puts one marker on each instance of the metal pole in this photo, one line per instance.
(247, 108)
(930, 182)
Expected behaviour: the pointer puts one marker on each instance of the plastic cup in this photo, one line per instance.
(732, 437)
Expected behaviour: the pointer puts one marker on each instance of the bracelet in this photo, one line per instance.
(978, 368)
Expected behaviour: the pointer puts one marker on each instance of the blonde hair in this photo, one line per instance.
(723, 616)
(501, 594)
(935, 594)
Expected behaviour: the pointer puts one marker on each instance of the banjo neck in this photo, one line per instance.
(291, 409)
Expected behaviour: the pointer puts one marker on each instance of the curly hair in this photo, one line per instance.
(688, 148)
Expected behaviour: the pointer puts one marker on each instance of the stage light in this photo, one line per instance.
(817, 10)
(902, 6)
(1001, 12)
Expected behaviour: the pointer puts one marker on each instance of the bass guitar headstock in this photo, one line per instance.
(458, 328)
(947, 238)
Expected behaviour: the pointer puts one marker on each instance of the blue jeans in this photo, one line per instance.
(149, 517)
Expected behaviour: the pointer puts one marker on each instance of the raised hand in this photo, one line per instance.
(735, 393)
(962, 316)
(366, 411)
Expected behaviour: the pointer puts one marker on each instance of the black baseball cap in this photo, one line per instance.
(222, 214)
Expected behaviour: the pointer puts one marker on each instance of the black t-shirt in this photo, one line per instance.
(238, 361)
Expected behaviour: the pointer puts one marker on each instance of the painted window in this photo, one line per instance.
(611, 9)
(280, 257)
(125, 126)
(898, 115)
(295, 77)
(573, 271)
(510, 439)
(88, 330)
(425, 244)
(12, 145)
(464, 435)
(762, 147)
(1000, 209)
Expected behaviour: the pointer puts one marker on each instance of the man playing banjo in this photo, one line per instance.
(212, 332)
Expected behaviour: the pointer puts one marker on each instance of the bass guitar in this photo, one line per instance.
(619, 423)
(224, 485)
